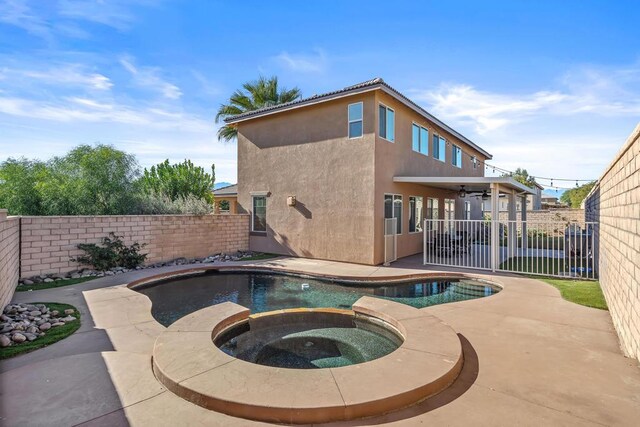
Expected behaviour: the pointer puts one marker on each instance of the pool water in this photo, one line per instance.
(261, 292)
(310, 345)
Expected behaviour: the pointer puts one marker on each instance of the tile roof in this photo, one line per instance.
(229, 190)
(376, 83)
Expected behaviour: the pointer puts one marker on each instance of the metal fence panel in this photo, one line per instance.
(550, 248)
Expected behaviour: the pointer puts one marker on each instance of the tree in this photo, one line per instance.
(90, 180)
(523, 177)
(575, 196)
(87, 181)
(256, 94)
(19, 182)
(178, 181)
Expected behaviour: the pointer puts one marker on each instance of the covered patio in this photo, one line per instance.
(453, 236)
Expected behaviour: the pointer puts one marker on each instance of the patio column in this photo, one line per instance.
(512, 229)
(523, 224)
(495, 235)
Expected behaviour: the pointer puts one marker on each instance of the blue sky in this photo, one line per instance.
(552, 86)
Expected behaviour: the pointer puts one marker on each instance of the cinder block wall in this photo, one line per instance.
(615, 202)
(48, 243)
(550, 215)
(9, 253)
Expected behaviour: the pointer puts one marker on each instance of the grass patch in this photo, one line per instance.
(54, 284)
(258, 257)
(51, 336)
(583, 292)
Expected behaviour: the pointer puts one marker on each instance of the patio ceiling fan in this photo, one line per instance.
(464, 193)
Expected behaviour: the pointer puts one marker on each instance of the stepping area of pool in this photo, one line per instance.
(530, 358)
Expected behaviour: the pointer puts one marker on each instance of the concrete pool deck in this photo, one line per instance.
(531, 358)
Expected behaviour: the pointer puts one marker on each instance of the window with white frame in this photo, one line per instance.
(386, 120)
(439, 147)
(416, 214)
(467, 210)
(259, 214)
(449, 213)
(432, 212)
(393, 209)
(420, 139)
(355, 120)
(456, 156)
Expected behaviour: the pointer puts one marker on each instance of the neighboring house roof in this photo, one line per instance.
(229, 190)
(367, 86)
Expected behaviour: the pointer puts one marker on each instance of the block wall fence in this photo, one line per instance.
(550, 215)
(615, 203)
(47, 244)
(9, 256)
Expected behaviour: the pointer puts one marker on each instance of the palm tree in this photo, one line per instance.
(256, 94)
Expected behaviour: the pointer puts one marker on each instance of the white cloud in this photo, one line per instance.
(19, 14)
(51, 18)
(487, 111)
(115, 14)
(149, 77)
(610, 92)
(76, 110)
(71, 74)
(305, 63)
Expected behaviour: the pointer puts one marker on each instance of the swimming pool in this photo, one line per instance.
(261, 292)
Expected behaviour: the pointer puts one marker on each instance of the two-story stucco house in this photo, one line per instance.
(320, 174)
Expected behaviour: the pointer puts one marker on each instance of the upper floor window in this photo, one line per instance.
(467, 210)
(420, 142)
(439, 147)
(386, 118)
(456, 156)
(355, 120)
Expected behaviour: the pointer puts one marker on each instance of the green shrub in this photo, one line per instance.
(161, 204)
(112, 253)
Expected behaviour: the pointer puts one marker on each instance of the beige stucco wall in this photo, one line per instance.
(398, 159)
(9, 257)
(615, 203)
(309, 156)
(49, 242)
(339, 183)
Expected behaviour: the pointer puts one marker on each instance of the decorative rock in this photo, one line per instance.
(27, 282)
(45, 326)
(69, 311)
(32, 330)
(68, 319)
(75, 276)
(53, 325)
(54, 313)
(18, 337)
(35, 313)
(48, 280)
(4, 341)
(30, 336)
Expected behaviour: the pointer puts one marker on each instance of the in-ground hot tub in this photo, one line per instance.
(309, 340)
(269, 386)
